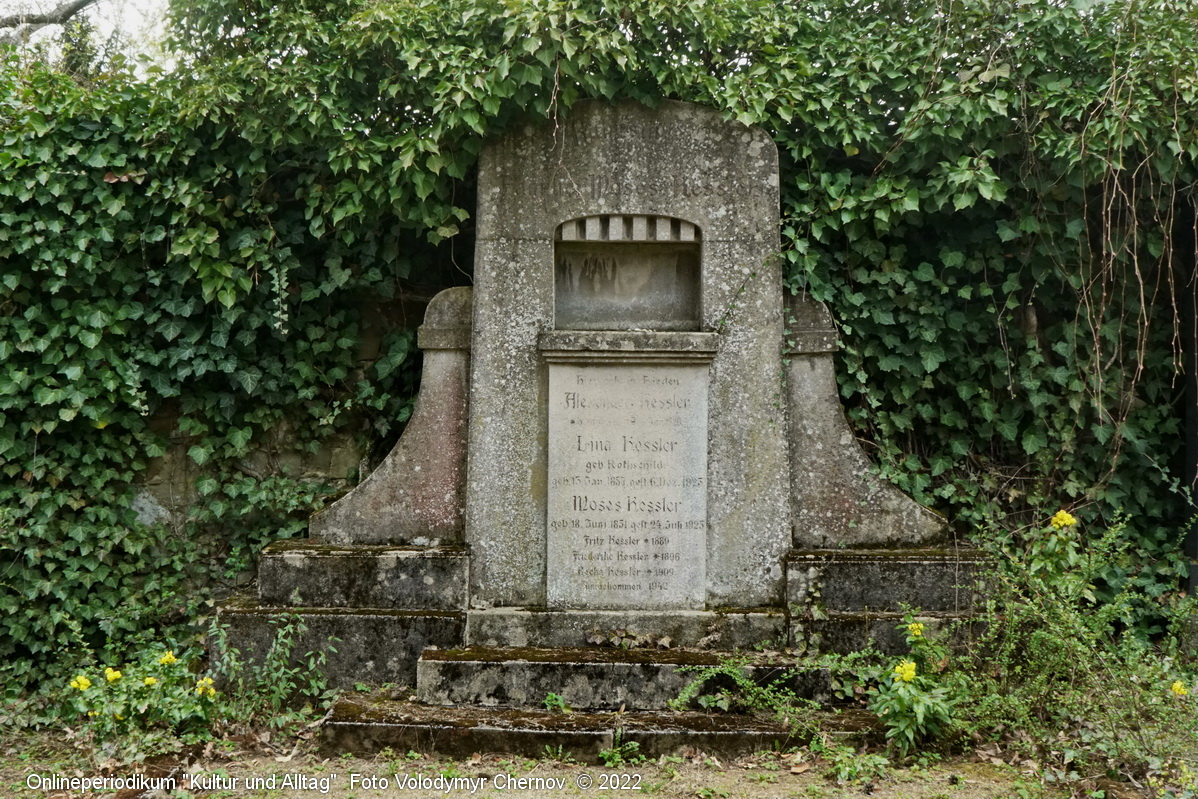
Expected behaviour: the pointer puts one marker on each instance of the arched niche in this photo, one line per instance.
(627, 272)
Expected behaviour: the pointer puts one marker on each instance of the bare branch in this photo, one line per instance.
(25, 24)
(55, 17)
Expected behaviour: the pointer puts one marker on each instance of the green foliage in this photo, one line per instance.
(107, 332)
(915, 699)
(1086, 695)
(846, 764)
(555, 704)
(990, 197)
(558, 754)
(149, 705)
(732, 686)
(279, 690)
(622, 753)
(158, 701)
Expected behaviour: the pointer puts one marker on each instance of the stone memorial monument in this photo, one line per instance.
(626, 430)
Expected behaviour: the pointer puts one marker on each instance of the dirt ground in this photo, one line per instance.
(228, 771)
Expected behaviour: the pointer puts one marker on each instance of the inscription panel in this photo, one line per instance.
(627, 509)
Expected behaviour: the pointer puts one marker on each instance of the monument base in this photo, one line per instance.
(836, 601)
(366, 725)
(695, 629)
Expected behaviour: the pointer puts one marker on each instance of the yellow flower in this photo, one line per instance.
(150, 680)
(204, 688)
(915, 629)
(167, 659)
(904, 671)
(1063, 519)
(81, 682)
(1178, 689)
(91, 712)
(118, 717)
(111, 674)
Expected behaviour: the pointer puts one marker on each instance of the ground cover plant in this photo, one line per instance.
(1047, 677)
(120, 709)
(996, 201)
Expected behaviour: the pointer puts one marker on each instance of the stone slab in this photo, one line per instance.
(882, 580)
(732, 629)
(627, 286)
(366, 726)
(372, 645)
(627, 486)
(586, 679)
(844, 632)
(307, 573)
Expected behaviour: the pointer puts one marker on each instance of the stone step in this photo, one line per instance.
(741, 628)
(882, 580)
(843, 632)
(311, 574)
(366, 725)
(587, 679)
(364, 645)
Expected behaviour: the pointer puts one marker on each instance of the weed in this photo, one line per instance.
(621, 754)
(555, 704)
(846, 764)
(737, 689)
(158, 701)
(559, 754)
(1085, 694)
(268, 692)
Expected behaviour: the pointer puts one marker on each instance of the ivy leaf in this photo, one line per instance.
(247, 379)
(239, 437)
(1034, 441)
(200, 454)
(44, 395)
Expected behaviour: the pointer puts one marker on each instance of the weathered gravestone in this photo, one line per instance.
(629, 432)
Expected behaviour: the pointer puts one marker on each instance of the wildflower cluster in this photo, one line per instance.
(145, 705)
(904, 671)
(1179, 689)
(913, 699)
(1062, 519)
